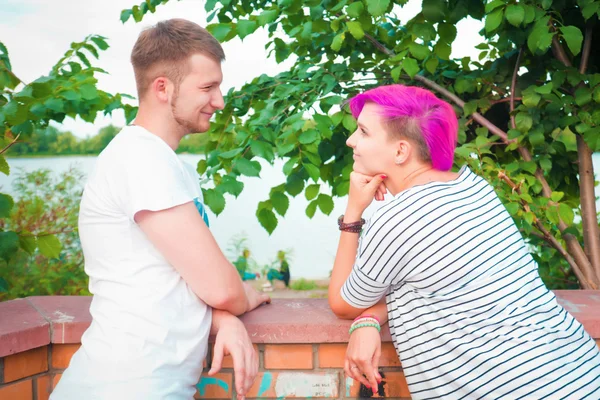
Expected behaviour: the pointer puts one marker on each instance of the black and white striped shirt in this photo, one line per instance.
(468, 313)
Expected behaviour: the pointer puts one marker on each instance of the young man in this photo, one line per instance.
(155, 270)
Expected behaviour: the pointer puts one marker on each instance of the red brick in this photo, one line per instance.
(22, 327)
(25, 364)
(68, 315)
(17, 391)
(228, 360)
(394, 385)
(56, 379)
(43, 387)
(290, 356)
(62, 353)
(333, 355)
(219, 386)
(277, 385)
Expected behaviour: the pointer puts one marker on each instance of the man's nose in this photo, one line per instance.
(217, 101)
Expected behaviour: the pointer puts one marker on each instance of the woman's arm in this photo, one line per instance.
(362, 191)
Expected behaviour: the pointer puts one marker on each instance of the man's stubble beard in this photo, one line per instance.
(186, 126)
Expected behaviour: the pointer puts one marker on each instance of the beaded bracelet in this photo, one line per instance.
(364, 320)
(367, 316)
(354, 227)
(365, 325)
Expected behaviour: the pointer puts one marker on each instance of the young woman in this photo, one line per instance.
(468, 313)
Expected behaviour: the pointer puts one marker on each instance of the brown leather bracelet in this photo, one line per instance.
(354, 227)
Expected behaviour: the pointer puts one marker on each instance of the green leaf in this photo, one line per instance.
(431, 65)
(590, 9)
(545, 89)
(231, 153)
(355, 9)
(583, 96)
(55, 105)
(524, 122)
(546, 164)
(3, 285)
(262, 149)
(411, 66)
(492, 5)
(125, 14)
(311, 209)
(573, 37)
(569, 139)
(4, 167)
(230, 184)
(515, 14)
(531, 98)
(28, 243)
(294, 185)
(356, 29)
(245, 28)
(396, 73)
(536, 137)
(6, 204)
(512, 208)
(267, 17)
(419, 51)
(447, 32)
(311, 191)
(309, 136)
(100, 42)
(214, 200)
(556, 196)
(493, 20)
(267, 219)
(289, 165)
(88, 91)
(337, 42)
(349, 122)
(377, 7)
(9, 245)
(325, 203)
(219, 31)
(566, 213)
(49, 245)
(280, 202)
(247, 167)
(313, 172)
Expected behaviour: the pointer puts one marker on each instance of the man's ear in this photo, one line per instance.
(161, 89)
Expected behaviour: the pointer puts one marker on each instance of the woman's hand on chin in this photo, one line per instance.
(363, 189)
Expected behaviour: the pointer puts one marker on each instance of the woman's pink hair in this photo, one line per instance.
(410, 106)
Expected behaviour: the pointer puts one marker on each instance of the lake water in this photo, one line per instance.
(313, 241)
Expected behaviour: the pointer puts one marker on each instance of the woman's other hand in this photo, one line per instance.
(362, 357)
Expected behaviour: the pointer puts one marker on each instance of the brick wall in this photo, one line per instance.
(301, 348)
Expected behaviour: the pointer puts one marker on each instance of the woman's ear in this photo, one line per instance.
(403, 151)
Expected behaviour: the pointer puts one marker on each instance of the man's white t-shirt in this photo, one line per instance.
(149, 333)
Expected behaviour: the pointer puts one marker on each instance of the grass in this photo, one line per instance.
(305, 284)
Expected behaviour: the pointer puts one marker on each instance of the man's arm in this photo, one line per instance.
(182, 237)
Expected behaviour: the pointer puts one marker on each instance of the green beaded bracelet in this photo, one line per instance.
(373, 325)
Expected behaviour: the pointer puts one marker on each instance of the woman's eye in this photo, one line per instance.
(362, 132)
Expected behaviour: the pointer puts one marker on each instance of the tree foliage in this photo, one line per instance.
(528, 106)
(69, 89)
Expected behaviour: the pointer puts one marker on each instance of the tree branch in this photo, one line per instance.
(587, 48)
(559, 52)
(550, 239)
(8, 146)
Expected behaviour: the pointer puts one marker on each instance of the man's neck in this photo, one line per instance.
(160, 126)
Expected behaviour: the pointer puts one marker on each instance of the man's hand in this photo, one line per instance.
(232, 339)
(362, 357)
(255, 298)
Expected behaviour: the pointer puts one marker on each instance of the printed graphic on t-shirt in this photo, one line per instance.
(202, 211)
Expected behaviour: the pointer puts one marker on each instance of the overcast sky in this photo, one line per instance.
(38, 32)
